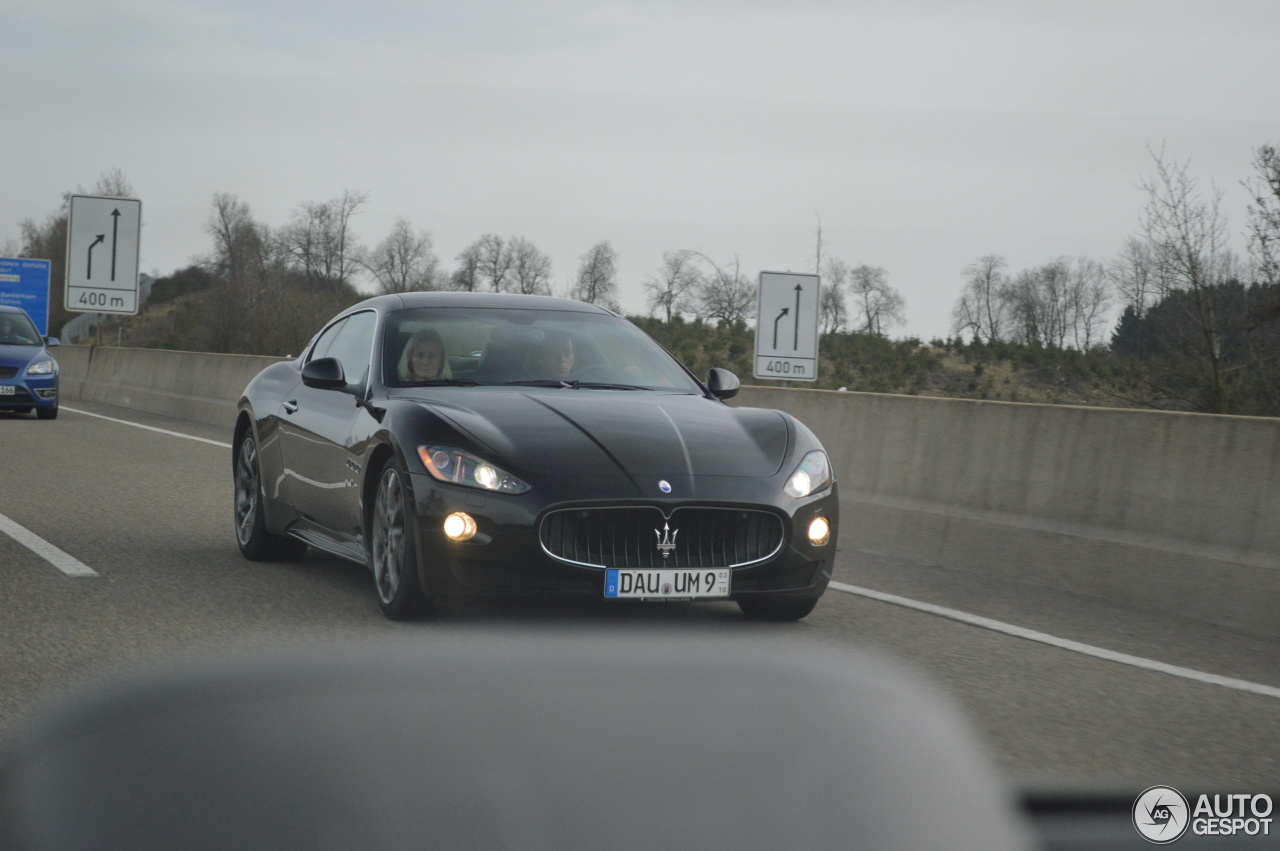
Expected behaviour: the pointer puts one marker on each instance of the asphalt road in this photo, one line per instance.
(150, 514)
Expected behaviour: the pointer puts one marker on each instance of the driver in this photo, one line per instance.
(424, 358)
(553, 359)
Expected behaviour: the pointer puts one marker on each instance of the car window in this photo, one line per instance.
(16, 330)
(325, 341)
(353, 346)
(502, 345)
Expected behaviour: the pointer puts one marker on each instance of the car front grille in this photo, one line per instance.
(642, 536)
(8, 371)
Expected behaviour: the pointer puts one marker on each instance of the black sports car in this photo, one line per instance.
(484, 443)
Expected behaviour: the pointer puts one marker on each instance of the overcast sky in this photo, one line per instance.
(924, 134)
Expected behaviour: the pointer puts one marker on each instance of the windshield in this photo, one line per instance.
(431, 346)
(16, 330)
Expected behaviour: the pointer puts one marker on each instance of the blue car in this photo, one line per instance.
(28, 375)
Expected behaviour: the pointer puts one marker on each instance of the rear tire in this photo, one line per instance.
(777, 608)
(47, 413)
(393, 551)
(256, 543)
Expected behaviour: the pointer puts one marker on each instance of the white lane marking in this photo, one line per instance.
(149, 428)
(1062, 643)
(47, 551)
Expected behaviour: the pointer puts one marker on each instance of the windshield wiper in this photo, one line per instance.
(599, 385)
(543, 382)
(443, 382)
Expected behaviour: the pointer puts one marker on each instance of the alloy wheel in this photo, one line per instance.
(247, 490)
(388, 536)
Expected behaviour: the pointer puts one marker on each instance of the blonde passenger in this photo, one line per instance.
(424, 358)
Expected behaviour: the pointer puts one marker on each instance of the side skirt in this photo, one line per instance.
(321, 539)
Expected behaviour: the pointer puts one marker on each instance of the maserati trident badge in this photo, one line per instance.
(666, 539)
(664, 486)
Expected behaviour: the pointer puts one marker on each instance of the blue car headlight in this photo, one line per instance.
(813, 474)
(447, 464)
(42, 367)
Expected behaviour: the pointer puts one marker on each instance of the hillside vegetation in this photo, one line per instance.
(1143, 366)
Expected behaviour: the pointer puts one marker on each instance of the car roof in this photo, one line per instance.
(470, 299)
(8, 308)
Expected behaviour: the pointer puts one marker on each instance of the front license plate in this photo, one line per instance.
(7, 389)
(667, 584)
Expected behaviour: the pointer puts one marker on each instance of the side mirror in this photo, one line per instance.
(52, 341)
(324, 374)
(722, 383)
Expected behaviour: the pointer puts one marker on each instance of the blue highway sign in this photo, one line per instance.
(25, 283)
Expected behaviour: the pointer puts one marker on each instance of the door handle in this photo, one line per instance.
(291, 407)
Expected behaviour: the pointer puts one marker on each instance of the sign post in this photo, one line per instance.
(25, 283)
(787, 327)
(102, 254)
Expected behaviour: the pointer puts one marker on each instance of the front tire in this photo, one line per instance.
(47, 413)
(769, 607)
(393, 552)
(256, 543)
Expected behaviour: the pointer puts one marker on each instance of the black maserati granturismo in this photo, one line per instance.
(480, 443)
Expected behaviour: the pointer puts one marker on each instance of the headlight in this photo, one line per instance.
(813, 474)
(462, 468)
(41, 367)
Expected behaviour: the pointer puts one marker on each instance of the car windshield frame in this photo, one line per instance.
(20, 335)
(511, 346)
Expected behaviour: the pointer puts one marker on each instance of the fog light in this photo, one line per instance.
(460, 527)
(47, 393)
(819, 531)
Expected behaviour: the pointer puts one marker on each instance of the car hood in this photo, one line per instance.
(19, 356)
(586, 432)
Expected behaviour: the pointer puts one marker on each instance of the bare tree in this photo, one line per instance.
(597, 281)
(467, 277)
(239, 243)
(495, 262)
(320, 240)
(1264, 213)
(1133, 274)
(877, 305)
(671, 287)
(1089, 302)
(404, 261)
(1187, 236)
(981, 309)
(530, 268)
(113, 184)
(236, 265)
(724, 293)
(833, 312)
(1038, 304)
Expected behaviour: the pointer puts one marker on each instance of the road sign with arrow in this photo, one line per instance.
(102, 254)
(787, 327)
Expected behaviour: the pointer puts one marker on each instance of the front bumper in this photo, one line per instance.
(506, 557)
(30, 391)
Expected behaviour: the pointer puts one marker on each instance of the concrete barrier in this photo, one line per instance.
(1173, 513)
(188, 385)
(1166, 512)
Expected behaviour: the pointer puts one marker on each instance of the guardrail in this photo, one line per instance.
(1166, 512)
